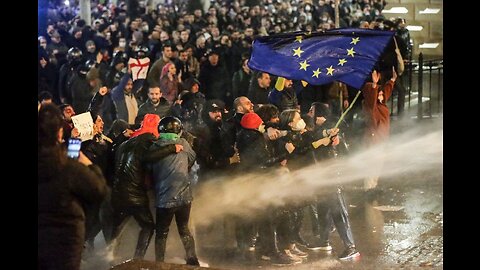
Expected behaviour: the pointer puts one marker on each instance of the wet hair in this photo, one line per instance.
(44, 95)
(50, 121)
(321, 109)
(267, 112)
(118, 126)
(286, 117)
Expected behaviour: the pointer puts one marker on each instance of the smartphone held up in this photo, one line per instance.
(73, 148)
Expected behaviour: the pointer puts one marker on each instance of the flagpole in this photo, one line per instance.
(348, 109)
(337, 15)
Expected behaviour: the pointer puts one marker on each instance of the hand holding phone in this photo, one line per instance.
(73, 148)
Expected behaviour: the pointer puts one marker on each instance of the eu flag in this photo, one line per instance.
(346, 55)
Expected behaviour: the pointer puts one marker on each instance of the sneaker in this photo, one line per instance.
(301, 242)
(252, 244)
(266, 257)
(349, 254)
(293, 257)
(281, 259)
(318, 245)
(297, 252)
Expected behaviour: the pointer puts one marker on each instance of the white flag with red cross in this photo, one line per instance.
(139, 67)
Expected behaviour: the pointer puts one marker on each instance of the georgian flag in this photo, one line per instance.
(139, 67)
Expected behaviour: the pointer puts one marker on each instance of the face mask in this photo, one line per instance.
(300, 125)
(261, 128)
(145, 28)
(122, 44)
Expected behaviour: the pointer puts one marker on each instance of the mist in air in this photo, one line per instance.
(417, 150)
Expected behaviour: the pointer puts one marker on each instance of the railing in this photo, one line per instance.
(422, 81)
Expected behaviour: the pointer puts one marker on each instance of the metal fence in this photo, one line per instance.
(423, 83)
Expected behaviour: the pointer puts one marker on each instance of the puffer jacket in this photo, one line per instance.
(129, 187)
(170, 175)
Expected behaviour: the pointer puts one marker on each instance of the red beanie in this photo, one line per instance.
(149, 125)
(251, 121)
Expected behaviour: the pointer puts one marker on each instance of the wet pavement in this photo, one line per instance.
(400, 228)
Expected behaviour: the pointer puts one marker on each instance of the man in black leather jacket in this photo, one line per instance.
(129, 195)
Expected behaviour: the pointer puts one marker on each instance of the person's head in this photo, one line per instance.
(118, 127)
(400, 23)
(122, 42)
(364, 25)
(45, 97)
(119, 60)
(252, 121)
(154, 94)
(319, 112)
(183, 56)
(90, 45)
(67, 112)
(164, 37)
(77, 33)
(263, 79)
(168, 69)
(192, 85)
(42, 42)
(170, 124)
(50, 126)
(167, 51)
(213, 58)
(128, 88)
(184, 36)
(141, 52)
(56, 38)
(149, 125)
(74, 56)
(290, 119)
(243, 105)
(215, 110)
(245, 67)
(269, 113)
(200, 42)
(98, 123)
(288, 83)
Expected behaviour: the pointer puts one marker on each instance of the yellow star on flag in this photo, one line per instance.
(330, 70)
(316, 73)
(298, 52)
(299, 39)
(351, 52)
(304, 65)
(341, 62)
(355, 40)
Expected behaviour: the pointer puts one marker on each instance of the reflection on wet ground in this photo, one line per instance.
(402, 227)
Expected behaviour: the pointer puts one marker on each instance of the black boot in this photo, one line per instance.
(143, 241)
(160, 246)
(193, 261)
(189, 245)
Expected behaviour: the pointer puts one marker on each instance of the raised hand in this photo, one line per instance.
(375, 77)
(394, 74)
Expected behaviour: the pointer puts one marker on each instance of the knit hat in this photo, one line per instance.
(149, 125)
(251, 121)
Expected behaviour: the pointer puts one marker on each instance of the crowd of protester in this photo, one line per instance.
(219, 116)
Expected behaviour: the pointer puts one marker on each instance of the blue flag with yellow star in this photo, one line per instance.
(347, 55)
